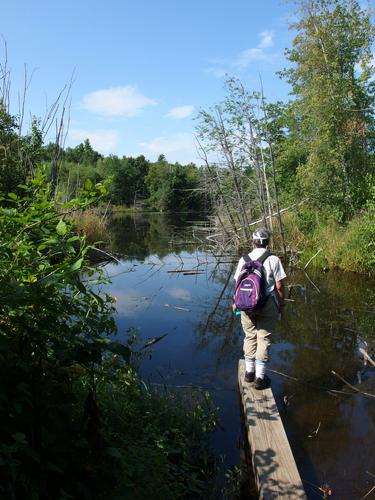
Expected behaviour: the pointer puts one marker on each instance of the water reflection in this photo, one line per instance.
(137, 236)
(329, 317)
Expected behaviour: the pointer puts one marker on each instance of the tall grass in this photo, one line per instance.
(349, 247)
(91, 224)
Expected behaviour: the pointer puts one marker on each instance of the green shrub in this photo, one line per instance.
(156, 441)
(349, 247)
(74, 419)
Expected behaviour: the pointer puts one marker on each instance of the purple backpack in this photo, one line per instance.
(250, 291)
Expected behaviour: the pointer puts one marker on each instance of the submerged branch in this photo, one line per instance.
(331, 391)
(367, 394)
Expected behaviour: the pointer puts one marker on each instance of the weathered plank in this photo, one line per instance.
(275, 470)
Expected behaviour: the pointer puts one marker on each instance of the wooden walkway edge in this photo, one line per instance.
(275, 470)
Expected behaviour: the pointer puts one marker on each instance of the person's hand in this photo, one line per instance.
(234, 308)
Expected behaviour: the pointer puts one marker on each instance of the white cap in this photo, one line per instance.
(262, 235)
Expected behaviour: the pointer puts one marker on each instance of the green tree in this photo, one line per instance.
(290, 149)
(128, 182)
(108, 165)
(83, 154)
(19, 154)
(51, 151)
(331, 78)
(158, 184)
(68, 178)
(175, 187)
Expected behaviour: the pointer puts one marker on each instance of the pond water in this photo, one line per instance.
(330, 317)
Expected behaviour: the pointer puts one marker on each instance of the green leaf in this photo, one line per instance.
(61, 228)
(88, 184)
(12, 196)
(75, 266)
(102, 340)
(73, 238)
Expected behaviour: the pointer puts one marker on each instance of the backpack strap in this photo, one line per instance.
(264, 257)
(261, 259)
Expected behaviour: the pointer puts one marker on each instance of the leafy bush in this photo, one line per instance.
(156, 441)
(51, 320)
(74, 421)
(350, 246)
(357, 250)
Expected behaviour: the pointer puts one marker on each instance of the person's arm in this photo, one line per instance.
(281, 296)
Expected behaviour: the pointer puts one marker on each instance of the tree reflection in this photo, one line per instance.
(137, 236)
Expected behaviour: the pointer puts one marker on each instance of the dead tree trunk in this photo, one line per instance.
(234, 172)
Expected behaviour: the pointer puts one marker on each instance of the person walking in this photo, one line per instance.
(259, 324)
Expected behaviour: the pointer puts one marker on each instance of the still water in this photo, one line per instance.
(330, 318)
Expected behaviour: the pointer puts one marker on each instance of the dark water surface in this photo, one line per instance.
(330, 317)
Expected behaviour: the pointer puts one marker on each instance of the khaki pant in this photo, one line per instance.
(258, 327)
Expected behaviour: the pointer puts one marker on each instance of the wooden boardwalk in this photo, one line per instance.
(275, 471)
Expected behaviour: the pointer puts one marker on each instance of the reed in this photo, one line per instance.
(91, 224)
(349, 247)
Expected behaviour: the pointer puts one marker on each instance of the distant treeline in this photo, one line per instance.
(133, 182)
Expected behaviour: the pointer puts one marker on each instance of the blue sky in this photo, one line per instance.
(142, 69)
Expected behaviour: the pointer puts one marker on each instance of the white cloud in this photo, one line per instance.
(180, 112)
(257, 53)
(179, 294)
(129, 302)
(250, 55)
(117, 101)
(100, 139)
(222, 67)
(177, 147)
(266, 39)
(216, 72)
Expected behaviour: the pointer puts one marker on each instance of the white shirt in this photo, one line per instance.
(272, 266)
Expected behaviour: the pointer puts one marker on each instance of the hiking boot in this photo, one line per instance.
(262, 383)
(249, 377)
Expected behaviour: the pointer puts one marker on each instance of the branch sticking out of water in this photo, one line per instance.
(184, 271)
(153, 341)
(352, 386)
(314, 432)
(312, 258)
(334, 392)
(368, 493)
(178, 308)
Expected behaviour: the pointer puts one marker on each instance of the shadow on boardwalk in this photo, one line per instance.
(275, 471)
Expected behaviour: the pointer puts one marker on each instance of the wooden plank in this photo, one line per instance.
(275, 470)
